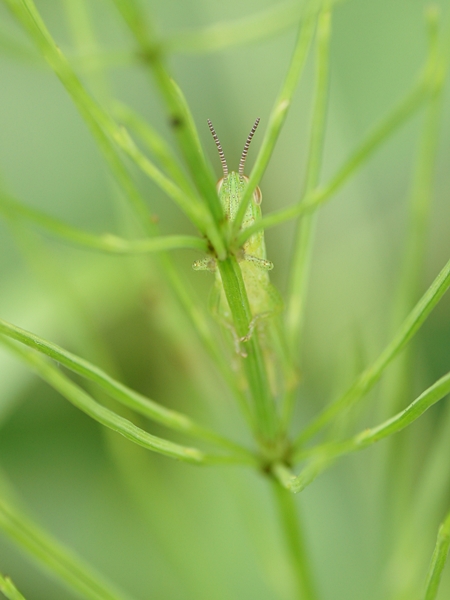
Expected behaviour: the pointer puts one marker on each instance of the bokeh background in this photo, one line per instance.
(162, 529)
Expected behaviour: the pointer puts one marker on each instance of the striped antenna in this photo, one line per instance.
(247, 144)
(219, 148)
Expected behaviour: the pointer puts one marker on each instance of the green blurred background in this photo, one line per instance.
(206, 533)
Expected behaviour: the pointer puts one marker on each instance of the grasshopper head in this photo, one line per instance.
(257, 195)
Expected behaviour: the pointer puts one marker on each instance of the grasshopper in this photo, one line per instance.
(263, 298)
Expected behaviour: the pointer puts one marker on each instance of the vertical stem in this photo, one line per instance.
(414, 258)
(306, 227)
(295, 543)
(179, 116)
(254, 366)
(397, 470)
(438, 560)
(299, 273)
(279, 113)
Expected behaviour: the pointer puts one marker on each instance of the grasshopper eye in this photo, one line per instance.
(219, 184)
(257, 196)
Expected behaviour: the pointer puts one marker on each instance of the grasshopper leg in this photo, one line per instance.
(263, 263)
(204, 264)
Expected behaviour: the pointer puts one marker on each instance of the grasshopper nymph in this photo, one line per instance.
(263, 298)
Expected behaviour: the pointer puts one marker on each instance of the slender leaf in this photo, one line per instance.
(417, 96)
(325, 455)
(106, 242)
(79, 398)
(155, 143)
(279, 112)
(118, 391)
(9, 590)
(241, 31)
(299, 272)
(371, 375)
(438, 560)
(53, 556)
(27, 14)
(96, 117)
(179, 115)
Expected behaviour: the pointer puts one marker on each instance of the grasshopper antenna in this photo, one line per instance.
(219, 148)
(246, 147)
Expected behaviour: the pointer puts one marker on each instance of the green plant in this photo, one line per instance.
(278, 447)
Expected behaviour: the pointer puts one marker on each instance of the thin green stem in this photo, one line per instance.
(100, 122)
(305, 230)
(398, 384)
(242, 31)
(326, 454)
(81, 28)
(155, 143)
(283, 475)
(126, 396)
(424, 509)
(196, 313)
(106, 242)
(438, 560)
(419, 93)
(79, 398)
(253, 362)
(294, 541)
(53, 556)
(420, 203)
(278, 114)
(180, 117)
(9, 590)
(371, 375)
(299, 270)
(119, 170)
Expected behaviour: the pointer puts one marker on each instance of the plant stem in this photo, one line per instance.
(83, 401)
(438, 560)
(120, 392)
(305, 229)
(420, 202)
(179, 115)
(278, 114)
(371, 375)
(155, 143)
(294, 541)
(398, 385)
(301, 258)
(405, 109)
(254, 366)
(242, 31)
(71, 570)
(9, 589)
(326, 454)
(106, 242)
(26, 12)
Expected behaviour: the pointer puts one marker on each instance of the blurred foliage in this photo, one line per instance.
(203, 533)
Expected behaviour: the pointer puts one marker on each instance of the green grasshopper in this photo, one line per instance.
(263, 298)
